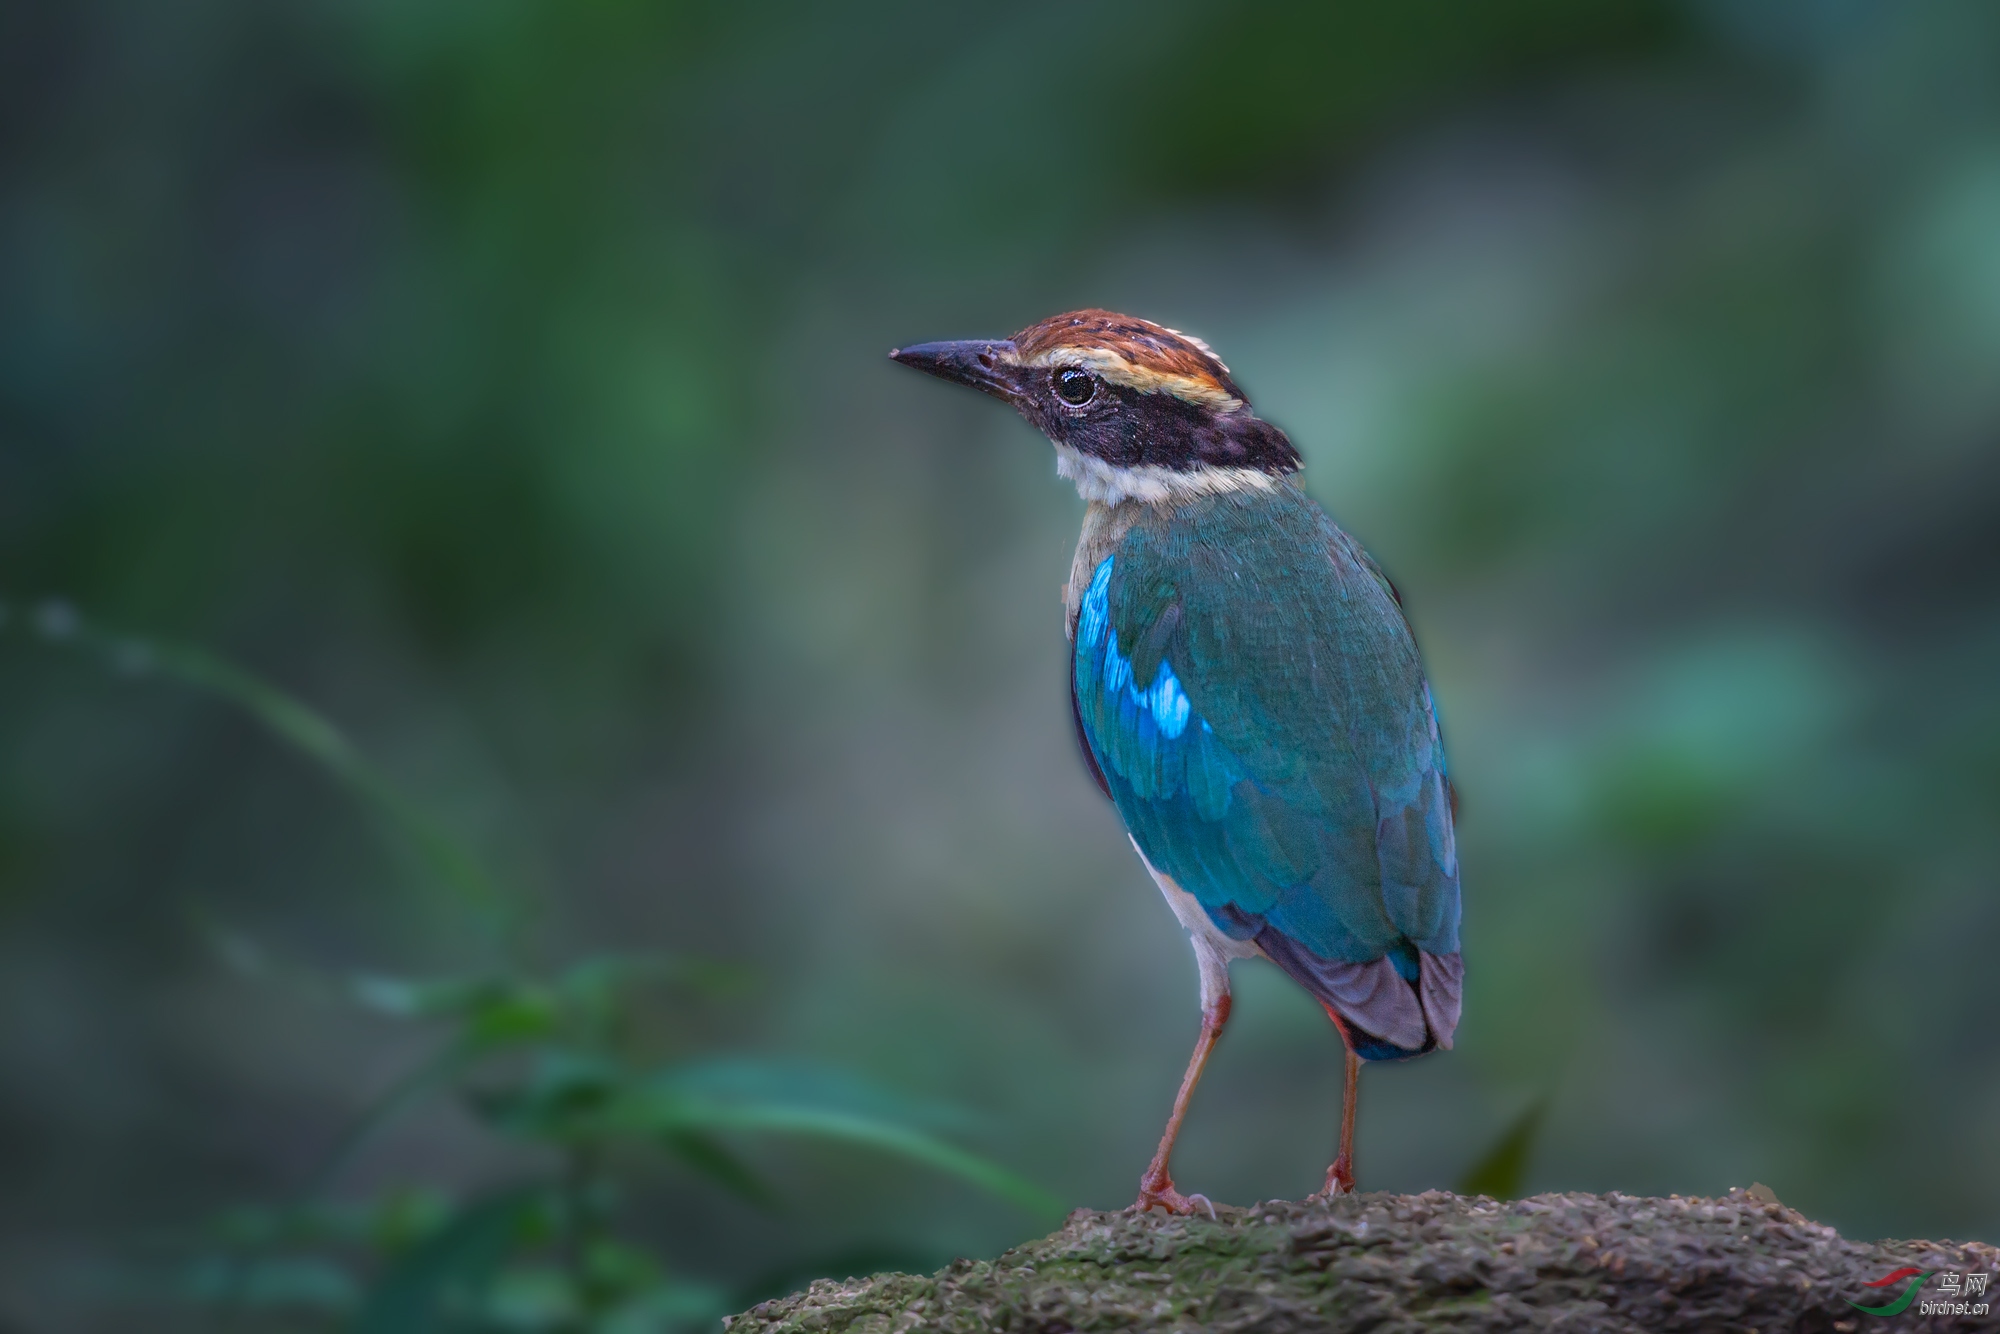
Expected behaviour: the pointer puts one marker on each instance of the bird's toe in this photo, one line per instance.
(1339, 1181)
(1172, 1201)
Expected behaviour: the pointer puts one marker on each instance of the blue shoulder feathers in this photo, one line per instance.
(1251, 698)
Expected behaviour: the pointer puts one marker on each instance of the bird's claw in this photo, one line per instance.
(1166, 1197)
(1339, 1181)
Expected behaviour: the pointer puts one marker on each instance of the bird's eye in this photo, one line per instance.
(1075, 387)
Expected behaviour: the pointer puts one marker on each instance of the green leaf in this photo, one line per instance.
(453, 1267)
(509, 1015)
(663, 1109)
(404, 1218)
(610, 1266)
(299, 1282)
(493, 1011)
(568, 1096)
(534, 1297)
(404, 999)
(790, 1081)
(706, 1155)
(1501, 1173)
(667, 1305)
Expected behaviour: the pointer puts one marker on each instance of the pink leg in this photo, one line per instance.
(1340, 1176)
(1156, 1187)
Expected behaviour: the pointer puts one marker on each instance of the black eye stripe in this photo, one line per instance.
(1074, 387)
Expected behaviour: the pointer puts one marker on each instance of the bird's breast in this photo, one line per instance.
(1104, 527)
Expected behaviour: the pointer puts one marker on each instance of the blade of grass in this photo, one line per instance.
(674, 1114)
(246, 955)
(305, 731)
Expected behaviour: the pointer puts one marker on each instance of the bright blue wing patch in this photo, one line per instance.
(1145, 732)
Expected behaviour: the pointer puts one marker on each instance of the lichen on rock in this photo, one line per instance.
(1400, 1262)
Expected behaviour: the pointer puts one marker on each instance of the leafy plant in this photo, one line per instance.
(1502, 1171)
(559, 1060)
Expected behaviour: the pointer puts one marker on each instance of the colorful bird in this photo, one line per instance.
(1246, 692)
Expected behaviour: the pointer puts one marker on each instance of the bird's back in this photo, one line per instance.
(1250, 696)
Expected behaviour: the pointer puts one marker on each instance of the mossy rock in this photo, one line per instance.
(1386, 1263)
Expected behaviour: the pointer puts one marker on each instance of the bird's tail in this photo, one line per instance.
(1388, 1009)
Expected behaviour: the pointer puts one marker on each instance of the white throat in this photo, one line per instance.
(1108, 484)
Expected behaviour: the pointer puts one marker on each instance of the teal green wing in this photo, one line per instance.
(1250, 694)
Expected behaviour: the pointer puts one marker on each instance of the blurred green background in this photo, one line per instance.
(505, 379)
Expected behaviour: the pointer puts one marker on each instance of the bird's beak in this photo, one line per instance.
(987, 364)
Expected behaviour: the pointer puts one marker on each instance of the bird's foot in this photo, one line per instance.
(1162, 1195)
(1339, 1181)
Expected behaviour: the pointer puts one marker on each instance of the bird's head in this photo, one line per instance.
(1135, 410)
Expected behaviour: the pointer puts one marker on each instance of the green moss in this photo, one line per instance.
(1385, 1262)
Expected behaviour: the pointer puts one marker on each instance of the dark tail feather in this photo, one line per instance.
(1439, 987)
(1379, 1008)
